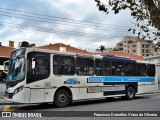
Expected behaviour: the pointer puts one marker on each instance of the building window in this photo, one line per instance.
(146, 51)
(134, 50)
(142, 46)
(134, 45)
(143, 50)
(129, 41)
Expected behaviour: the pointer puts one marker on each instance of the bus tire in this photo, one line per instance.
(62, 98)
(130, 93)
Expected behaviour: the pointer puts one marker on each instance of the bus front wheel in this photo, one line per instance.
(62, 98)
(130, 93)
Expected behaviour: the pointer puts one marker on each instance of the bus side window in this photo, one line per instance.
(63, 65)
(99, 67)
(113, 68)
(38, 66)
(84, 66)
(141, 69)
(106, 67)
(151, 70)
(130, 69)
(120, 69)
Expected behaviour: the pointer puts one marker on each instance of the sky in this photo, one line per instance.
(78, 23)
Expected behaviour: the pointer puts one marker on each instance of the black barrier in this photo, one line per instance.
(81, 114)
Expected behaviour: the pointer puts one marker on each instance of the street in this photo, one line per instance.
(145, 102)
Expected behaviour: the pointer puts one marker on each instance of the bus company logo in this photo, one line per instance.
(72, 81)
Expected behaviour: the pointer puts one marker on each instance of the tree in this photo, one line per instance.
(157, 47)
(114, 49)
(26, 44)
(145, 12)
(101, 48)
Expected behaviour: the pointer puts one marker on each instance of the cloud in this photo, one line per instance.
(104, 27)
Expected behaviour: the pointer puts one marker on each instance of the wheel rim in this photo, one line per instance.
(61, 98)
(130, 93)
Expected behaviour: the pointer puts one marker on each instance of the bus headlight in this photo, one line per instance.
(18, 90)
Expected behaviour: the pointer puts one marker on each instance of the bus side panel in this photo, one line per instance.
(83, 94)
(147, 87)
(96, 92)
(27, 95)
(119, 88)
(75, 93)
(49, 95)
(19, 97)
(37, 95)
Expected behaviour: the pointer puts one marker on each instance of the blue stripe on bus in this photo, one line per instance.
(102, 79)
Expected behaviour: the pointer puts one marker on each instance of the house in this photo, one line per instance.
(5, 51)
(64, 48)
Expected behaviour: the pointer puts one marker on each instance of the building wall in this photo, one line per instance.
(155, 59)
(137, 46)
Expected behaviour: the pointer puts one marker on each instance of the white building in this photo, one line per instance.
(155, 59)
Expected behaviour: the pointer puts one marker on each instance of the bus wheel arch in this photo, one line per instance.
(130, 92)
(62, 97)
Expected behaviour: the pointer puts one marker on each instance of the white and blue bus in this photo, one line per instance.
(43, 76)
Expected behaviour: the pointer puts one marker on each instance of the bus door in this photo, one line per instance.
(38, 72)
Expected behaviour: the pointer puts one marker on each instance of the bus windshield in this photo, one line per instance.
(16, 71)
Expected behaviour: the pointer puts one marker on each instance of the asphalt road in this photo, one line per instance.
(147, 102)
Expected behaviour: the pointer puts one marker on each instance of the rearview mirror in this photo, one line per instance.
(6, 66)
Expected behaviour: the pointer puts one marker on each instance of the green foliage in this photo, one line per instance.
(140, 10)
(26, 44)
(101, 48)
(114, 49)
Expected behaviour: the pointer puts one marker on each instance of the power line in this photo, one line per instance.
(67, 23)
(49, 30)
(61, 18)
(40, 19)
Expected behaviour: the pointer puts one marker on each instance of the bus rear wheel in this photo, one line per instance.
(62, 98)
(130, 93)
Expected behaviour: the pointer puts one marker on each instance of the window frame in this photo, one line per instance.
(64, 65)
(37, 77)
(78, 71)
